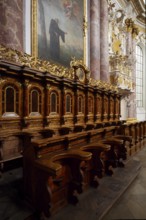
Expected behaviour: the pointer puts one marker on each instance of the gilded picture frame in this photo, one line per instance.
(59, 30)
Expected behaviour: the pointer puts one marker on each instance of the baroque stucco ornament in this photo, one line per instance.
(76, 72)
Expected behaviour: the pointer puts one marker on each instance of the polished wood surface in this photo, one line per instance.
(68, 132)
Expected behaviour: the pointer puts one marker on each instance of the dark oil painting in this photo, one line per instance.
(60, 30)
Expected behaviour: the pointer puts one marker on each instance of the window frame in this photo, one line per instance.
(139, 76)
(39, 104)
(6, 113)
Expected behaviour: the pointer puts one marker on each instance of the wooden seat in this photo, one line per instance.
(116, 154)
(78, 128)
(64, 130)
(89, 127)
(46, 133)
(126, 146)
(64, 178)
(98, 164)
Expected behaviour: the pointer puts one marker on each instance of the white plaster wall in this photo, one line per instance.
(124, 110)
(141, 112)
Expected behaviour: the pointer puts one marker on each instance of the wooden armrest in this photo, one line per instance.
(96, 146)
(45, 141)
(113, 141)
(51, 163)
(124, 137)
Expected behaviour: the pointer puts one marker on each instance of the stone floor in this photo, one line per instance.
(132, 204)
(122, 196)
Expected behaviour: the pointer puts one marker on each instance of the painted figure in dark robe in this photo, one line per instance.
(55, 34)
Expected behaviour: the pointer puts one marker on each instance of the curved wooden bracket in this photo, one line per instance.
(51, 165)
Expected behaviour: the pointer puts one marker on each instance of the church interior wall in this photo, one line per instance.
(141, 111)
(61, 121)
(127, 47)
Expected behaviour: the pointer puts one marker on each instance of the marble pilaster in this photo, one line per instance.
(95, 39)
(104, 50)
(11, 24)
(132, 110)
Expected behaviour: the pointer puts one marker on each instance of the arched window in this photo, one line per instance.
(68, 103)
(111, 106)
(80, 104)
(139, 76)
(106, 105)
(90, 105)
(35, 102)
(10, 101)
(98, 105)
(53, 102)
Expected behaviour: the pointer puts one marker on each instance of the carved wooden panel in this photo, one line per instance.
(98, 107)
(90, 108)
(105, 108)
(68, 108)
(54, 110)
(111, 103)
(80, 106)
(10, 103)
(34, 105)
(117, 108)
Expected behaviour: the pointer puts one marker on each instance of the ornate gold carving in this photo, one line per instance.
(116, 45)
(110, 6)
(34, 29)
(103, 85)
(10, 81)
(121, 72)
(131, 27)
(129, 24)
(84, 26)
(131, 120)
(48, 86)
(2, 81)
(78, 64)
(27, 84)
(120, 14)
(24, 59)
(81, 71)
(135, 31)
(32, 62)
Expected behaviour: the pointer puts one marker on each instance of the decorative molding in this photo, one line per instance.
(131, 27)
(25, 60)
(121, 74)
(140, 8)
(85, 26)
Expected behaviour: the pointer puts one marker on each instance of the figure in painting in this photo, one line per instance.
(55, 34)
(72, 10)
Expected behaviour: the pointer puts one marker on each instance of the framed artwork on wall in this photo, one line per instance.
(58, 30)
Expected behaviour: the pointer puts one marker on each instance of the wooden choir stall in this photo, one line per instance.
(65, 125)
